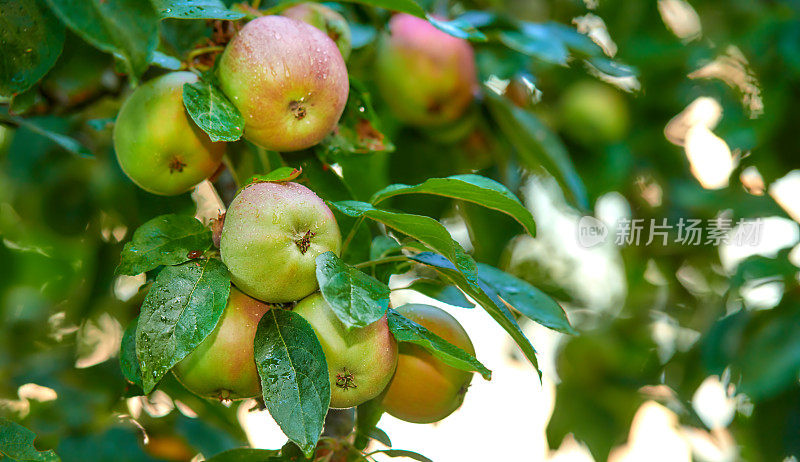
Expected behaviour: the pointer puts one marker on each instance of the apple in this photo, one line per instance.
(271, 237)
(158, 146)
(424, 389)
(361, 360)
(427, 77)
(223, 366)
(288, 79)
(594, 113)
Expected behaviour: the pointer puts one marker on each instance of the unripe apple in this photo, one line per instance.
(325, 19)
(272, 235)
(592, 112)
(223, 366)
(158, 145)
(424, 389)
(361, 360)
(288, 80)
(426, 76)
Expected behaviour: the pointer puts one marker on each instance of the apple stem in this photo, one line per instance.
(381, 261)
(352, 233)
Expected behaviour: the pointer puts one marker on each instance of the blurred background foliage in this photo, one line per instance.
(657, 322)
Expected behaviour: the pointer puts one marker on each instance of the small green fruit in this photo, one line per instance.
(594, 113)
(361, 361)
(223, 366)
(158, 145)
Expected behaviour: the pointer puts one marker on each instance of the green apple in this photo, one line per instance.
(361, 361)
(272, 235)
(593, 113)
(158, 145)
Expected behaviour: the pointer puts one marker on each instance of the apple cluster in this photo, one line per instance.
(287, 77)
(270, 239)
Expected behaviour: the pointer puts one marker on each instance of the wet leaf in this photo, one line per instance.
(181, 309)
(164, 240)
(128, 361)
(425, 229)
(294, 376)
(525, 298)
(16, 443)
(471, 188)
(212, 110)
(195, 9)
(31, 40)
(357, 298)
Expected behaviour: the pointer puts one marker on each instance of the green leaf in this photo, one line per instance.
(538, 44)
(67, 143)
(212, 111)
(458, 28)
(479, 18)
(380, 436)
(24, 102)
(101, 124)
(247, 455)
(486, 298)
(357, 298)
(16, 443)
(406, 330)
(550, 42)
(471, 188)
(527, 299)
(128, 361)
(294, 376)
(425, 229)
(613, 68)
(31, 40)
(569, 36)
(759, 267)
(165, 61)
(536, 145)
(279, 175)
(382, 246)
(164, 240)
(195, 9)
(182, 308)
(403, 453)
(367, 416)
(438, 290)
(128, 29)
